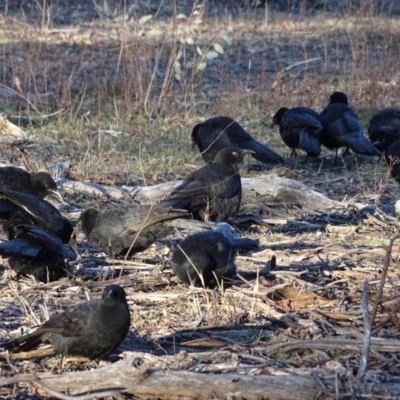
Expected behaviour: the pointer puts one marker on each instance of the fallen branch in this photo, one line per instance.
(273, 187)
(124, 377)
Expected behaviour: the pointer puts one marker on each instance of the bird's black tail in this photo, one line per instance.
(261, 152)
(25, 343)
(310, 143)
(361, 145)
(245, 244)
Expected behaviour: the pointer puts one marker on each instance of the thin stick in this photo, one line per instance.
(383, 277)
(367, 332)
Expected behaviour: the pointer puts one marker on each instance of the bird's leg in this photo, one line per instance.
(293, 153)
(346, 152)
(335, 157)
(60, 364)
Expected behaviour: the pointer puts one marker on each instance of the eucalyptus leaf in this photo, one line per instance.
(144, 19)
(211, 55)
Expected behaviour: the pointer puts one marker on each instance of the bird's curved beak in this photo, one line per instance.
(247, 151)
(55, 194)
(375, 143)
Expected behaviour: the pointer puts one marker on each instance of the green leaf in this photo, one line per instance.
(189, 40)
(227, 39)
(155, 32)
(199, 51)
(211, 55)
(181, 16)
(218, 48)
(201, 66)
(106, 8)
(145, 19)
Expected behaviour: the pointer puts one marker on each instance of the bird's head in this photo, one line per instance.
(276, 119)
(231, 156)
(114, 293)
(43, 185)
(338, 97)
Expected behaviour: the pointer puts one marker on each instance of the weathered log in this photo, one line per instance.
(272, 187)
(165, 384)
(7, 128)
(175, 384)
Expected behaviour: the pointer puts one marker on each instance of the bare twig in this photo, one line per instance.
(367, 332)
(383, 277)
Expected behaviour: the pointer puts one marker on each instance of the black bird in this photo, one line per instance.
(218, 133)
(214, 191)
(40, 184)
(93, 329)
(204, 258)
(117, 227)
(300, 128)
(19, 208)
(36, 252)
(343, 128)
(383, 122)
(390, 143)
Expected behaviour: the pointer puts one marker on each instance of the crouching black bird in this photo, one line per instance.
(93, 329)
(204, 258)
(17, 208)
(40, 184)
(127, 229)
(342, 128)
(390, 143)
(36, 252)
(213, 192)
(300, 128)
(218, 133)
(383, 122)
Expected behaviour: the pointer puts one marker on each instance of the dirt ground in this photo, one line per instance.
(115, 94)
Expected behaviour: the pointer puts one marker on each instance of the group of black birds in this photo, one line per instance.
(37, 233)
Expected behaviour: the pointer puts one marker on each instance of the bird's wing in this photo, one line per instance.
(21, 248)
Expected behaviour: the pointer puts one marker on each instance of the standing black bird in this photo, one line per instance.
(300, 128)
(383, 122)
(40, 184)
(19, 208)
(390, 143)
(93, 329)
(36, 252)
(218, 133)
(117, 227)
(204, 258)
(343, 128)
(214, 191)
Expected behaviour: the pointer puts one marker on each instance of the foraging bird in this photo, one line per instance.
(383, 122)
(40, 184)
(36, 252)
(127, 229)
(342, 128)
(214, 191)
(19, 208)
(390, 143)
(93, 329)
(204, 258)
(219, 133)
(300, 128)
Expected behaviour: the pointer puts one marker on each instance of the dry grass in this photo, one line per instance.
(120, 117)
